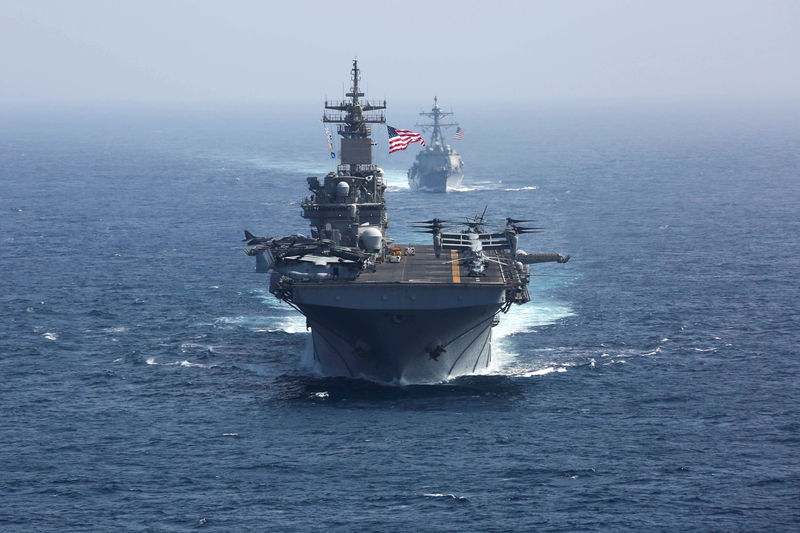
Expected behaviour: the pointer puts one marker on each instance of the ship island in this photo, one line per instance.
(437, 167)
(385, 311)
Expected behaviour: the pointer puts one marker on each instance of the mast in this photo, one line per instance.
(350, 199)
(352, 123)
(436, 114)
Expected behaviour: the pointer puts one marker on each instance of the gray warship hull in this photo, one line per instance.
(416, 321)
(439, 180)
(397, 351)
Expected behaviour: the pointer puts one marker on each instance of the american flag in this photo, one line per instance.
(459, 133)
(400, 139)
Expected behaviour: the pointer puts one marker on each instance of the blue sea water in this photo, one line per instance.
(149, 382)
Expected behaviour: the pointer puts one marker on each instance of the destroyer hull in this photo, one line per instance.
(439, 181)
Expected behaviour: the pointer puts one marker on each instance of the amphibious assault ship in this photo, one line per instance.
(378, 309)
(438, 167)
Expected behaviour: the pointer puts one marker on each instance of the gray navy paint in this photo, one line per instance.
(376, 310)
(438, 166)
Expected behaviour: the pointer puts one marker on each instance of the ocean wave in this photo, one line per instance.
(265, 324)
(193, 347)
(525, 318)
(507, 359)
(259, 370)
(184, 363)
(446, 496)
(531, 372)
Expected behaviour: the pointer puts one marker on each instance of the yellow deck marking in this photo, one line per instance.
(456, 276)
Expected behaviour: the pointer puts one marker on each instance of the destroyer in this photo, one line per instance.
(438, 167)
(377, 309)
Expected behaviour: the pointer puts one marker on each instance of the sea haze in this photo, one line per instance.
(151, 382)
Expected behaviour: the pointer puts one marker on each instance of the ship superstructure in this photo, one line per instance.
(350, 200)
(438, 166)
(383, 311)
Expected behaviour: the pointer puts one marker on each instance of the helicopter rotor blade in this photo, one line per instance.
(431, 221)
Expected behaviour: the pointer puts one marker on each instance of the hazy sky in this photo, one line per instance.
(247, 51)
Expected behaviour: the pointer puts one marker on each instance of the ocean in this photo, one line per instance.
(150, 382)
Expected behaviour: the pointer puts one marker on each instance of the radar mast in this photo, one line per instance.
(352, 120)
(436, 114)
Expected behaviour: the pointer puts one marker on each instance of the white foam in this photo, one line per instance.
(522, 319)
(517, 189)
(307, 360)
(184, 363)
(448, 496)
(50, 335)
(266, 324)
(189, 364)
(506, 359)
(193, 346)
(527, 372)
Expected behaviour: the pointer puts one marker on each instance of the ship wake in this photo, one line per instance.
(510, 358)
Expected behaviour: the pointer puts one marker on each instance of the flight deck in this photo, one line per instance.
(425, 267)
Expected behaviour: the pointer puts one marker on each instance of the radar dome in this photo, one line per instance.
(342, 189)
(372, 238)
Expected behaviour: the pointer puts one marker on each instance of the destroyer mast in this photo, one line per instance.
(436, 127)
